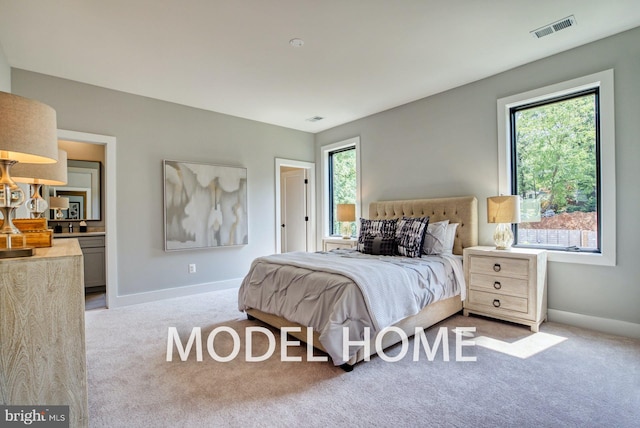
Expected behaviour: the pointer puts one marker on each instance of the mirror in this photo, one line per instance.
(83, 190)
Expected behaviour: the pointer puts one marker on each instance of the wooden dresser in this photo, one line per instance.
(42, 342)
(507, 284)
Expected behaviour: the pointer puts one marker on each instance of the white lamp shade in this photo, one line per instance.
(503, 209)
(52, 174)
(28, 131)
(346, 212)
(58, 202)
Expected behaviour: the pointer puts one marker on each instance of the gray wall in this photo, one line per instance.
(149, 131)
(446, 145)
(5, 72)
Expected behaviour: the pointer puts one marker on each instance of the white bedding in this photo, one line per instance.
(345, 288)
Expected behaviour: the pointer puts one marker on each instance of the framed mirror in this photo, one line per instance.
(83, 190)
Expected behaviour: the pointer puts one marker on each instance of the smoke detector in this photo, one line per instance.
(554, 27)
(296, 43)
(315, 118)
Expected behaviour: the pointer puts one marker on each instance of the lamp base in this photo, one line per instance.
(503, 236)
(346, 230)
(15, 252)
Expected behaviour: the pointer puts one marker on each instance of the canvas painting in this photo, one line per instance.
(205, 205)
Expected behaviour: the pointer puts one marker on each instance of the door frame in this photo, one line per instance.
(311, 193)
(111, 256)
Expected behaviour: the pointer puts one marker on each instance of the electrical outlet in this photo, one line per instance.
(192, 268)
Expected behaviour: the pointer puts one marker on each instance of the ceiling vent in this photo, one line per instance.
(315, 118)
(569, 21)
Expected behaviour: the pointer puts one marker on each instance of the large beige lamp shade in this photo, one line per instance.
(503, 210)
(28, 131)
(27, 134)
(51, 174)
(346, 213)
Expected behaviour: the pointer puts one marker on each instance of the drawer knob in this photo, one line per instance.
(497, 267)
(497, 285)
(496, 303)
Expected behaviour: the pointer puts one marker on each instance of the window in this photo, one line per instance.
(341, 183)
(554, 169)
(557, 151)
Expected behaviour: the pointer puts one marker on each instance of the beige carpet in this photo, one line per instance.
(588, 380)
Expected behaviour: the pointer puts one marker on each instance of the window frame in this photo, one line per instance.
(603, 81)
(327, 150)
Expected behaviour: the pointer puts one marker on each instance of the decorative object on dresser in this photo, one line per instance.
(346, 214)
(509, 285)
(34, 231)
(329, 244)
(503, 210)
(52, 174)
(28, 133)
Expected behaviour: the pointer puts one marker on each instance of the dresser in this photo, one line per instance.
(338, 243)
(510, 285)
(42, 347)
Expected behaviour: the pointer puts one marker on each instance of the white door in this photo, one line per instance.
(294, 211)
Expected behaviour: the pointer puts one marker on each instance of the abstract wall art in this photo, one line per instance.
(205, 205)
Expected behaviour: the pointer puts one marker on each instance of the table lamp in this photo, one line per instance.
(52, 174)
(345, 214)
(58, 203)
(503, 210)
(28, 133)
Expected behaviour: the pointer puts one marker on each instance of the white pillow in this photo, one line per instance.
(434, 239)
(450, 238)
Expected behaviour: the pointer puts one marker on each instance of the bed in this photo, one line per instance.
(277, 283)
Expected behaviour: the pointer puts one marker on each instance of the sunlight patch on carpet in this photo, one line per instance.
(523, 348)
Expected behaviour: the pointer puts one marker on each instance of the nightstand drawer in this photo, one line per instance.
(498, 301)
(499, 266)
(499, 285)
(328, 246)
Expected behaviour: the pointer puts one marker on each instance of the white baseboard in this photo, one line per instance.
(605, 325)
(151, 296)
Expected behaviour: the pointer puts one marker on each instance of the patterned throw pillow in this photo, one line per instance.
(384, 228)
(379, 245)
(410, 236)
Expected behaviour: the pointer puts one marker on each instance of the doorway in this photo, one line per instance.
(295, 206)
(109, 188)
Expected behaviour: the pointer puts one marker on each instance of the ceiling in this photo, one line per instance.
(233, 56)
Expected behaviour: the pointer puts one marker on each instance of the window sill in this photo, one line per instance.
(596, 259)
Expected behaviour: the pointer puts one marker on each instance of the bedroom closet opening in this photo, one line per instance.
(294, 200)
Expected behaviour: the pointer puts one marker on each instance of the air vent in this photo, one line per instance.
(569, 21)
(315, 118)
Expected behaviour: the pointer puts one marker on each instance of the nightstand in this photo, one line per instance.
(338, 243)
(507, 284)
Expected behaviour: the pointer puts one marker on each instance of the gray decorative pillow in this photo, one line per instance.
(435, 238)
(384, 228)
(379, 245)
(410, 236)
(451, 237)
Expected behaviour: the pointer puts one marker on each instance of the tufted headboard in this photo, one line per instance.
(463, 210)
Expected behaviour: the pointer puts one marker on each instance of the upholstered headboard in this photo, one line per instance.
(463, 210)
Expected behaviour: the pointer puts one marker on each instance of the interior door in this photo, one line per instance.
(294, 211)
